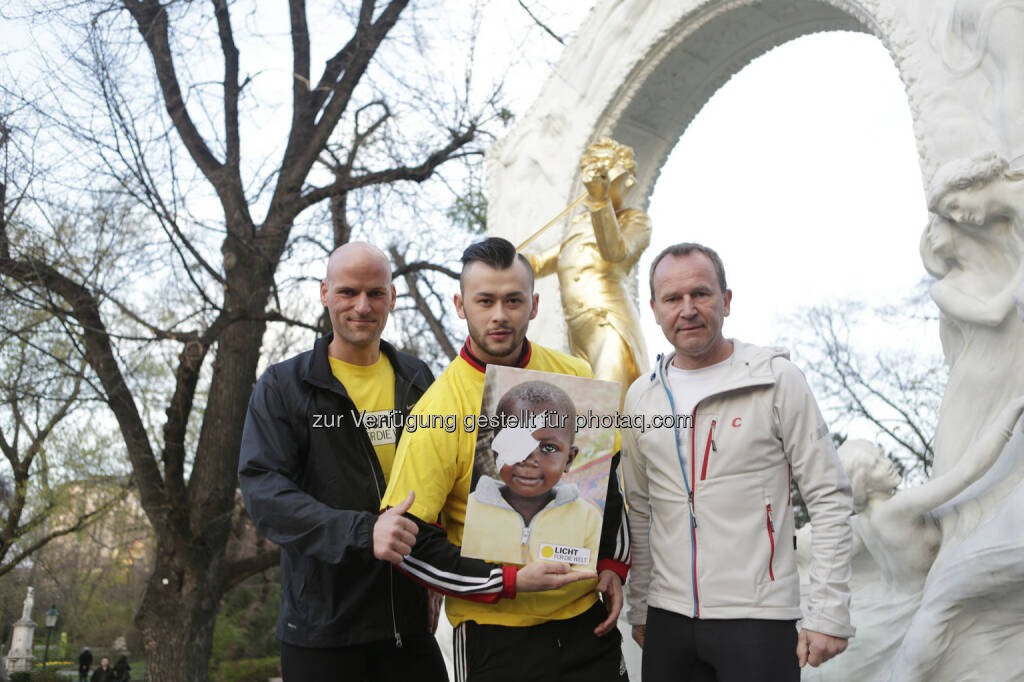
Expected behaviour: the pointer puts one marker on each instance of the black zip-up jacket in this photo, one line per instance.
(312, 484)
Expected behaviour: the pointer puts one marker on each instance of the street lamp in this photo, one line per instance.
(51, 622)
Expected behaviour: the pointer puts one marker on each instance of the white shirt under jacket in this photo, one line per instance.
(736, 559)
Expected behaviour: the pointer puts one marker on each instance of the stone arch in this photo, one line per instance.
(699, 55)
(640, 71)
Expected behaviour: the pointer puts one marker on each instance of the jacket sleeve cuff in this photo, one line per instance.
(617, 567)
(508, 581)
(827, 626)
(637, 614)
(364, 533)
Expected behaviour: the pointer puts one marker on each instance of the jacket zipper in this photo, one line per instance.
(708, 448)
(660, 372)
(693, 514)
(391, 569)
(398, 405)
(371, 458)
(686, 480)
(526, 542)
(771, 539)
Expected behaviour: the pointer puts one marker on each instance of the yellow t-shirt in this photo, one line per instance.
(372, 389)
(438, 464)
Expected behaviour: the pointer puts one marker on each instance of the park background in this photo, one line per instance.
(801, 171)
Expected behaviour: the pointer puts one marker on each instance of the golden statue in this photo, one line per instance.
(594, 265)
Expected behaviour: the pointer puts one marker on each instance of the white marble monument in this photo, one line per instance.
(940, 590)
(20, 657)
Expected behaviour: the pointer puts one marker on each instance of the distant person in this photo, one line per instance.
(121, 670)
(104, 673)
(84, 663)
(509, 519)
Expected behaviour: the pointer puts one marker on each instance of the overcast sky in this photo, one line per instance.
(802, 173)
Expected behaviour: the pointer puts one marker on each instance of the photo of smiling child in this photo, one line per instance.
(522, 507)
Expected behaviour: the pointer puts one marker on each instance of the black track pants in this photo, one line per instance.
(418, 659)
(556, 651)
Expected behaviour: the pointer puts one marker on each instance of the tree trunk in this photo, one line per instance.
(177, 618)
(179, 607)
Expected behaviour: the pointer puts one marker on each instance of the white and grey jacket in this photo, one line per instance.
(709, 508)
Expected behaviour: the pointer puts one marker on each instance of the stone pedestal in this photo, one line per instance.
(20, 658)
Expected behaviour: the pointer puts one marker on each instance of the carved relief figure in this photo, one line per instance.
(967, 625)
(974, 246)
(986, 34)
(594, 265)
(896, 541)
(898, 529)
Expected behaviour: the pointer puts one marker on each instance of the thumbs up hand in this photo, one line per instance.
(393, 534)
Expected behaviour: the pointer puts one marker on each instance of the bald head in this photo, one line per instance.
(357, 253)
(358, 295)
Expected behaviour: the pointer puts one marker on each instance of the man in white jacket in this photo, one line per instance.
(715, 593)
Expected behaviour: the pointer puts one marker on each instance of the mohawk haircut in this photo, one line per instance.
(495, 252)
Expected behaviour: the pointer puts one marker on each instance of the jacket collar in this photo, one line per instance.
(749, 366)
(481, 366)
(318, 370)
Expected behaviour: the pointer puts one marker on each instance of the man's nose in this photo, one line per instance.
(687, 309)
(363, 303)
(499, 313)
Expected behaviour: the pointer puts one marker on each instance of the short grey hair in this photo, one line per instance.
(685, 249)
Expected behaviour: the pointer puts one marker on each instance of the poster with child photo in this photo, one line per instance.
(541, 468)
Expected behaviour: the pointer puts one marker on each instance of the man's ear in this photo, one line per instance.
(394, 297)
(536, 299)
(573, 451)
(728, 301)
(459, 306)
(323, 292)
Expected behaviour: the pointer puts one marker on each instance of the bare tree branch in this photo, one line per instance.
(151, 18)
(350, 64)
(540, 23)
(231, 91)
(81, 522)
(893, 392)
(415, 173)
(100, 354)
(235, 571)
(436, 327)
(418, 266)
